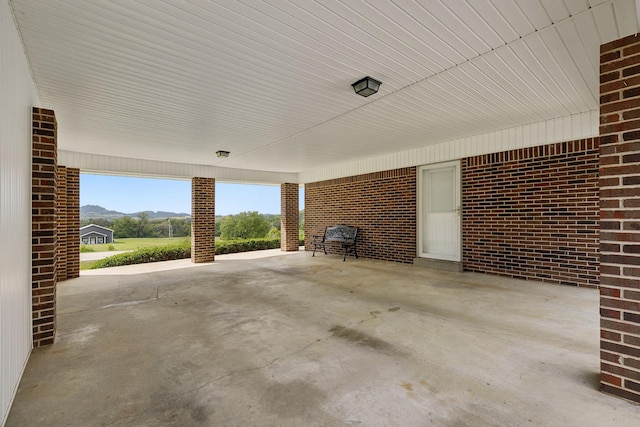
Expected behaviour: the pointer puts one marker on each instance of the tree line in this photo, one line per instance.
(143, 226)
(245, 225)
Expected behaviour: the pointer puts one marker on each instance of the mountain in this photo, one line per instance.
(98, 212)
(95, 211)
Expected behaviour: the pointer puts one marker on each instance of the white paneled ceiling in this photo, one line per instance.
(177, 80)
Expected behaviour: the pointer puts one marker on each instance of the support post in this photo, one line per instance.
(620, 218)
(73, 223)
(289, 217)
(43, 226)
(203, 220)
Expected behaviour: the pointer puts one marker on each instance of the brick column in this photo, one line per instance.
(43, 226)
(68, 223)
(203, 220)
(73, 223)
(289, 217)
(620, 217)
(61, 222)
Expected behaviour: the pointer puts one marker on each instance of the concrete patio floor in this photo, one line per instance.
(300, 341)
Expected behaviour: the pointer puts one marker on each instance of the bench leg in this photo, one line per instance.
(315, 247)
(347, 248)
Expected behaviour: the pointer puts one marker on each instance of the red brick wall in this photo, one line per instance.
(43, 226)
(381, 204)
(73, 223)
(68, 223)
(532, 213)
(620, 217)
(203, 220)
(61, 222)
(289, 217)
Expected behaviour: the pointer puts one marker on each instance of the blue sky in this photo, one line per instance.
(129, 195)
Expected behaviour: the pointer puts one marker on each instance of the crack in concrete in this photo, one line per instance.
(125, 304)
(128, 303)
(119, 304)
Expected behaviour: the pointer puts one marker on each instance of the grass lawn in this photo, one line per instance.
(86, 265)
(133, 244)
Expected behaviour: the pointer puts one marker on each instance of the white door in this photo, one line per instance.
(439, 211)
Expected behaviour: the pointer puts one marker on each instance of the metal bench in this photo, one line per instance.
(341, 234)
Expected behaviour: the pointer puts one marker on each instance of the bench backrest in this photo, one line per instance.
(341, 233)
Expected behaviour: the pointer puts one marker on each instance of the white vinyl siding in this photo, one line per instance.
(17, 97)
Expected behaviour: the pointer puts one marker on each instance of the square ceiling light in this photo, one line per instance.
(366, 86)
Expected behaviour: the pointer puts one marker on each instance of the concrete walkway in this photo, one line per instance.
(94, 256)
(300, 341)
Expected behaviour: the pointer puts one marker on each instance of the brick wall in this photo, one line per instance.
(382, 204)
(68, 223)
(203, 220)
(620, 217)
(43, 226)
(61, 222)
(532, 213)
(73, 223)
(289, 217)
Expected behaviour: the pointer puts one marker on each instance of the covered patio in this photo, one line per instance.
(503, 142)
(292, 340)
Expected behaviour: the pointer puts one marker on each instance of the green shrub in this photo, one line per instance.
(141, 256)
(246, 245)
(183, 250)
(84, 249)
(111, 248)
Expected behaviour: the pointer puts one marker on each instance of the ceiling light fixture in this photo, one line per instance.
(366, 86)
(223, 154)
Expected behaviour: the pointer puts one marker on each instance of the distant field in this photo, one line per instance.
(133, 244)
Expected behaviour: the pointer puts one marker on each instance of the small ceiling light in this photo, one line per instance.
(366, 86)
(223, 154)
